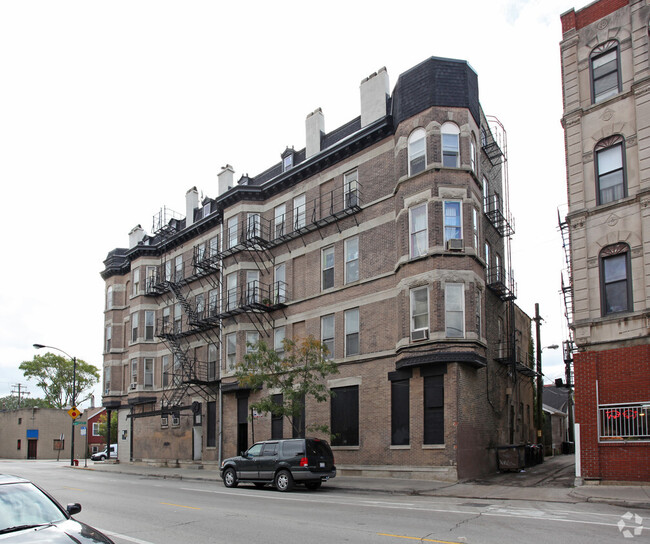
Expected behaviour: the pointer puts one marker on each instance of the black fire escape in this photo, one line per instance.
(173, 283)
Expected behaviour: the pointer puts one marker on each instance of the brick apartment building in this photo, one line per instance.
(387, 239)
(606, 85)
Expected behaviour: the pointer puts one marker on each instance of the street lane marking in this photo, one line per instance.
(180, 505)
(124, 537)
(420, 539)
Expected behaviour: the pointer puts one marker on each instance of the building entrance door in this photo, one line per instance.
(31, 449)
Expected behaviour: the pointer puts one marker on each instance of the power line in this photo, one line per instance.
(20, 391)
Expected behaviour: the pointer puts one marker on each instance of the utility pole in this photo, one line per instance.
(17, 390)
(540, 383)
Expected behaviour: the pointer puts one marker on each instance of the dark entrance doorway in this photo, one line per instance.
(242, 422)
(31, 449)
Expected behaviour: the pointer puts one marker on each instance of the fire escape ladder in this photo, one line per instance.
(567, 277)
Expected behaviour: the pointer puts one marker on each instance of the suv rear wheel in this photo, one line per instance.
(284, 481)
(230, 477)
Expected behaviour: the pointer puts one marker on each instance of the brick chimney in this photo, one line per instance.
(314, 128)
(374, 97)
(225, 177)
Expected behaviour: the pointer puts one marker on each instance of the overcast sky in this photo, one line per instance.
(111, 110)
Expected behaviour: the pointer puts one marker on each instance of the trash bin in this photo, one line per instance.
(568, 448)
(511, 457)
(76, 462)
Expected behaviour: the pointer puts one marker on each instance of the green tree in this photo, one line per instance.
(10, 402)
(54, 373)
(297, 373)
(103, 428)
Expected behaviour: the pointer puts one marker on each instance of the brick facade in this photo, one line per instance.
(606, 114)
(487, 396)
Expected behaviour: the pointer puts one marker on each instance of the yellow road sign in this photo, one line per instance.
(74, 413)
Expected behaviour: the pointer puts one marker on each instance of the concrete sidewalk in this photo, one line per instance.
(551, 481)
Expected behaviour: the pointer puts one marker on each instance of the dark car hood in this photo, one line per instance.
(65, 532)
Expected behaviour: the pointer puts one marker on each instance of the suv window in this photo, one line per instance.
(293, 448)
(254, 451)
(270, 448)
(318, 448)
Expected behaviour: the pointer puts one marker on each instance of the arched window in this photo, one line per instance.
(417, 151)
(450, 148)
(615, 279)
(610, 169)
(605, 71)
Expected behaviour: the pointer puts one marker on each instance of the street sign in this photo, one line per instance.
(83, 431)
(74, 413)
(78, 422)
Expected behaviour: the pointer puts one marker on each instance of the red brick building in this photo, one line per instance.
(388, 240)
(606, 86)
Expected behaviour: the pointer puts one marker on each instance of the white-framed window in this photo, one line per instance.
(149, 324)
(351, 248)
(176, 420)
(327, 333)
(168, 271)
(475, 231)
(478, 311)
(134, 373)
(95, 429)
(485, 194)
(148, 372)
(232, 232)
(279, 216)
(200, 253)
(107, 380)
(213, 302)
(109, 337)
(454, 310)
(177, 371)
(136, 281)
(417, 154)
(134, 327)
(231, 291)
(287, 162)
(497, 267)
(453, 220)
(488, 251)
(252, 286)
(299, 212)
(178, 318)
(109, 297)
(166, 315)
(351, 189)
(418, 231)
(279, 334)
(280, 286)
(253, 226)
(213, 247)
(213, 357)
(450, 148)
(472, 153)
(252, 338)
(352, 332)
(151, 278)
(610, 170)
(178, 268)
(327, 268)
(231, 350)
(605, 71)
(199, 304)
(165, 371)
(419, 309)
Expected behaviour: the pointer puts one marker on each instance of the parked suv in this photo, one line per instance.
(283, 463)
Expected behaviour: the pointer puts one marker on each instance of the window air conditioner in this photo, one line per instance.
(455, 244)
(421, 334)
(132, 386)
